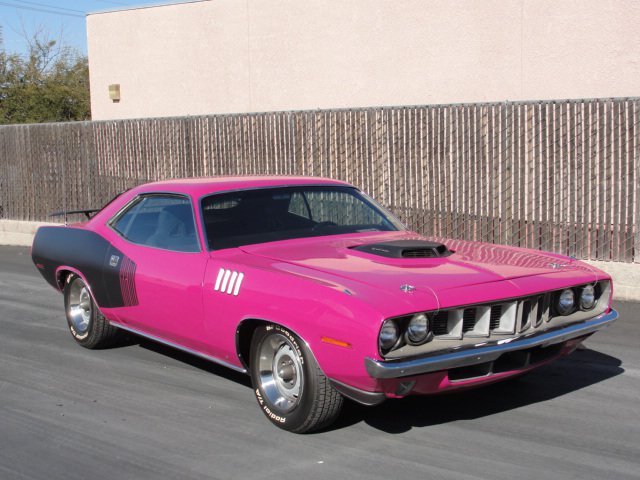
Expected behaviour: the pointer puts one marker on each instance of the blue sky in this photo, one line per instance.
(59, 18)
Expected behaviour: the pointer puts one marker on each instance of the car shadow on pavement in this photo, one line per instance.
(563, 376)
(187, 358)
(577, 371)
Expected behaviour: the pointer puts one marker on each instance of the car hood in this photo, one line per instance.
(472, 263)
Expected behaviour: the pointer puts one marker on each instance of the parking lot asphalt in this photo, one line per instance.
(144, 411)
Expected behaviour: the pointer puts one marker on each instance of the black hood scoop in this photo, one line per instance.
(406, 249)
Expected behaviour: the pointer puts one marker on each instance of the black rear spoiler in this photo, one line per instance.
(86, 212)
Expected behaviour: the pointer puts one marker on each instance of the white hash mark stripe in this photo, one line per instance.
(219, 279)
(238, 283)
(228, 282)
(234, 275)
(225, 280)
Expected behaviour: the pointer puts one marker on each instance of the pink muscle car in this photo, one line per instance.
(315, 291)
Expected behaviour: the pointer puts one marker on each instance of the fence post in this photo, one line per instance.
(636, 164)
(506, 169)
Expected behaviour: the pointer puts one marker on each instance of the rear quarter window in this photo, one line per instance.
(159, 221)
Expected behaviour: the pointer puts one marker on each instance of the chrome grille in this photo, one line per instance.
(525, 316)
(491, 322)
(484, 320)
(542, 311)
(468, 319)
(439, 322)
(496, 313)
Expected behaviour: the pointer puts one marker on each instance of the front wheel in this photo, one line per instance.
(291, 389)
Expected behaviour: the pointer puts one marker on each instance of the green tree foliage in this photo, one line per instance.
(50, 84)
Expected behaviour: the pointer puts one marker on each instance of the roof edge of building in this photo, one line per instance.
(166, 3)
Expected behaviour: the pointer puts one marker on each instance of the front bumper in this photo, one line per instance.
(467, 356)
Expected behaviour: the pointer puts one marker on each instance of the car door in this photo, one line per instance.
(157, 232)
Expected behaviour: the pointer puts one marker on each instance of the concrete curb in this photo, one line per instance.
(20, 233)
(626, 276)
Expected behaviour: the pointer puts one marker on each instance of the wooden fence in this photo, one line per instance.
(555, 175)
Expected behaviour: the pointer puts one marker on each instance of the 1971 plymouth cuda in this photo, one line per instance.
(315, 291)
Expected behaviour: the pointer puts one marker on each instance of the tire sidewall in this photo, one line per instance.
(80, 337)
(295, 418)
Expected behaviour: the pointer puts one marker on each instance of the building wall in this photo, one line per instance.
(228, 56)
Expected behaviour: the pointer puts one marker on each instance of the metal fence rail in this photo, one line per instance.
(557, 175)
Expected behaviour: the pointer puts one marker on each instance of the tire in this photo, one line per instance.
(291, 390)
(87, 325)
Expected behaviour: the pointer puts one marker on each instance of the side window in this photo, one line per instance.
(161, 221)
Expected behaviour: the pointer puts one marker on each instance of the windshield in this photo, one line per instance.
(266, 215)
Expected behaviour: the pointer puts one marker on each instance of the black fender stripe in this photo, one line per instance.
(110, 273)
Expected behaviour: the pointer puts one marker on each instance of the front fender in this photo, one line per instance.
(335, 320)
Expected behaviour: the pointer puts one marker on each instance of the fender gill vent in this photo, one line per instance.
(406, 249)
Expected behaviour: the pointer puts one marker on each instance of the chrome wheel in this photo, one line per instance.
(289, 386)
(281, 372)
(86, 323)
(80, 306)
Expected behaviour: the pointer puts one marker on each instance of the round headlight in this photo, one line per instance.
(566, 302)
(418, 329)
(587, 297)
(388, 335)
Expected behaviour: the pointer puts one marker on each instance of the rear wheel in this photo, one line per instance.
(87, 325)
(291, 389)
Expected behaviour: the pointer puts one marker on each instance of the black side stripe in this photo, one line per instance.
(127, 282)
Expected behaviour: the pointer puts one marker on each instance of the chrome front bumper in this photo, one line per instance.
(484, 353)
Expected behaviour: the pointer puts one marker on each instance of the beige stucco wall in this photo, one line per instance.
(228, 56)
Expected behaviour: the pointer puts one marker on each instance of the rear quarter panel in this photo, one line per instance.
(81, 250)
